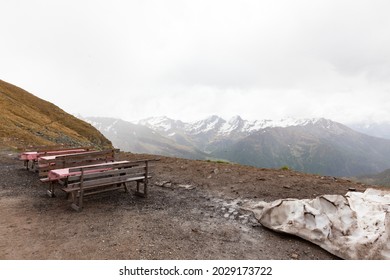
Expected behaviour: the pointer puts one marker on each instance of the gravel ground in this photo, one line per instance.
(192, 212)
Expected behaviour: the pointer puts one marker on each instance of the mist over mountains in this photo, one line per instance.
(377, 129)
(318, 146)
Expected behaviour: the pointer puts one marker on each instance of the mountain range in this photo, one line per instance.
(318, 146)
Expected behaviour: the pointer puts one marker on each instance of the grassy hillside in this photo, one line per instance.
(382, 179)
(28, 120)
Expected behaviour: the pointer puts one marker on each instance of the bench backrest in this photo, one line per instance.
(65, 150)
(42, 149)
(78, 159)
(109, 174)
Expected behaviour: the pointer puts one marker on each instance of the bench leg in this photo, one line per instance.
(50, 191)
(26, 164)
(33, 168)
(126, 188)
(145, 192)
(77, 206)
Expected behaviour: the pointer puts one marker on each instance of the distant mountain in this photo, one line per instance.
(322, 147)
(141, 139)
(210, 133)
(381, 179)
(28, 120)
(381, 130)
(310, 145)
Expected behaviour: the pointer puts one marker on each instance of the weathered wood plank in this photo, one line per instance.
(101, 182)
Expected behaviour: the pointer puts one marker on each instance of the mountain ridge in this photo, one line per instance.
(316, 145)
(28, 120)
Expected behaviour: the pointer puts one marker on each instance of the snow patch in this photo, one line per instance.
(352, 226)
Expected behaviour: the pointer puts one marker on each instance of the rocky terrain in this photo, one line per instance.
(192, 212)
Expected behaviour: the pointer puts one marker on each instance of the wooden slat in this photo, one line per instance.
(73, 160)
(105, 181)
(76, 186)
(82, 155)
(102, 174)
(112, 165)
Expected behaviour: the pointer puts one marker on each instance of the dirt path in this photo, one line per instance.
(195, 215)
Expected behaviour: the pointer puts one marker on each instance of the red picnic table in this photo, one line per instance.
(35, 155)
(54, 156)
(61, 175)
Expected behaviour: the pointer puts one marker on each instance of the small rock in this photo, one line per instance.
(352, 189)
(287, 187)
(162, 183)
(281, 176)
(187, 187)
(294, 256)
(226, 215)
(216, 171)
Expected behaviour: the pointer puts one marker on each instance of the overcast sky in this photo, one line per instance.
(261, 59)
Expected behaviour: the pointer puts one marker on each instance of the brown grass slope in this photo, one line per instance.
(28, 120)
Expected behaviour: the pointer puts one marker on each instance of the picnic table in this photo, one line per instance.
(62, 175)
(47, 163)
(33, 156)
(87, 180)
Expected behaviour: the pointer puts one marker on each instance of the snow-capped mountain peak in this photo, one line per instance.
(206, 125)
(215, 125)
(162, 124)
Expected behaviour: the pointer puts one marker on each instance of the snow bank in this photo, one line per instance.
(351, 226)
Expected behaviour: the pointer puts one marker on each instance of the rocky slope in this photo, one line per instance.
(28, 120)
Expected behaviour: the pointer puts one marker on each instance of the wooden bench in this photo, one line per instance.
(61, 176)
(30, 155)
(87, 183)
(45, 164)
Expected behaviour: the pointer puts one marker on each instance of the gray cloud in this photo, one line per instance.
(190, 59)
